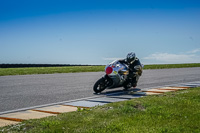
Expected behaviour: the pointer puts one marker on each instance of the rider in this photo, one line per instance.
(135, 68)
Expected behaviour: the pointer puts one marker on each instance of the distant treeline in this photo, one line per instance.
(35, 65)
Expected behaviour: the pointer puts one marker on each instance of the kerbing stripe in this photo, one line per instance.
(12, 119)
(154, 91)
(182, 87)
(50, 112)
(168, 89)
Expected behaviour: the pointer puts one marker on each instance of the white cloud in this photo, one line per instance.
(189, 57)
(111, 59)
(194, 51)
(192, 56)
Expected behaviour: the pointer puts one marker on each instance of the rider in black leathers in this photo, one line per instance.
(135, 68)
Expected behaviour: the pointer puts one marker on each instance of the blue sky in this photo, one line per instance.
(99, 31)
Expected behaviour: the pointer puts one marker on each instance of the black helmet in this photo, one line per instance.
(130, 58)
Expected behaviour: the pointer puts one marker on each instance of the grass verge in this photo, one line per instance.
(49, 70)
(73, 69)
(163, 66)
(177, 112)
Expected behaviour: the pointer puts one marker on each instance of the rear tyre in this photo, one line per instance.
(100, 85)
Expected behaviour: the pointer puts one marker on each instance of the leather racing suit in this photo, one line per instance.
(135, 71)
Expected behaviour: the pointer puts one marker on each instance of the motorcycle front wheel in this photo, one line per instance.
(100, 85)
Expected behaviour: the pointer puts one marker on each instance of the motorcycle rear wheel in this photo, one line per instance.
(100, 85)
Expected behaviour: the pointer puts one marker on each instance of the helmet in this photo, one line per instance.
(130, 58)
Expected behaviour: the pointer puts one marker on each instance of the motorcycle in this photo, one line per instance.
(116, 76)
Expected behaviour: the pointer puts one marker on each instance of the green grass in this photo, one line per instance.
(73, 69)
(174, 112)
(163, 66)
(49, 70)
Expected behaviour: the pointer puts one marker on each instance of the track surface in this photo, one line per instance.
(31, 90)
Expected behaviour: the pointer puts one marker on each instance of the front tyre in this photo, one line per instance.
(100, 85)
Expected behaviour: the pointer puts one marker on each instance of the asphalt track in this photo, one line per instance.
(32, 90)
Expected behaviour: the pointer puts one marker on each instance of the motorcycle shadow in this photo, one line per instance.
(119, 91)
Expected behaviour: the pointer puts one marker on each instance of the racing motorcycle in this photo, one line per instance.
(116, 76)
